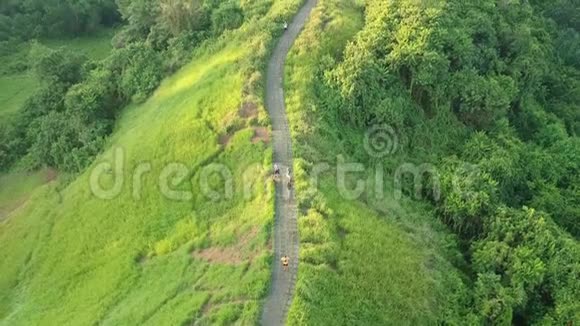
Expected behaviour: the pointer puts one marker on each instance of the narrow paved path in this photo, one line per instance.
(286, 240)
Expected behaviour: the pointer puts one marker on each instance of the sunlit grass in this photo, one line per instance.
(90, 254)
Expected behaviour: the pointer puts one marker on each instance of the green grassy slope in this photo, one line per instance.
(96, 46)
(69, 257)
(361, 264)
(15, 89)
(16, 187)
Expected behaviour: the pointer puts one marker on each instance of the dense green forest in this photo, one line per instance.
(65, 122)
(489, 92)
(508, 72)
(54, 18)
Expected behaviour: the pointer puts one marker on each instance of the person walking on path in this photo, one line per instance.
(285, 262)
(290, 180)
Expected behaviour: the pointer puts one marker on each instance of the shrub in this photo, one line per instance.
(94, 99)
(227, 16)
(5, 28)
(180, 48)
(45, 100)
(57, 66)
(141, 73)
(63, 141)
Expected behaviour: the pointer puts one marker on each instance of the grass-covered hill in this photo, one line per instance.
(69, 257)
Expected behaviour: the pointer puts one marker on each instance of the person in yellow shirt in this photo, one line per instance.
(285, 262)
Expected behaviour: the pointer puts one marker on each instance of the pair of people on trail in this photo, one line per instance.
(285, 262)
(288, 175)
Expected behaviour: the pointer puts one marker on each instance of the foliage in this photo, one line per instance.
(39, 18)
(227, 16)
(84, 96)
(488, 91)
(469, 194)
(360, 263)
(140, 70)
(57, 66)
(87, 95)
(179, 16)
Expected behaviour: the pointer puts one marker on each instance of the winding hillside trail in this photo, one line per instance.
(286, 240)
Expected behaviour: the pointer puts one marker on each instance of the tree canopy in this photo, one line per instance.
(65, 123)
(505, 75)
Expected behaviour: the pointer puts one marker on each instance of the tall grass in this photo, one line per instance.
(96, 46)
(69, 258)
(14, 90)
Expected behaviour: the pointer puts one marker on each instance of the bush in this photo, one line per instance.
(41, 18)
(468, 195)
(57, 66)
(63, 141)
(180, 48)
(227, 16)
(141, 73)
(125, 37)
(94, 99)
(64, 123)
(5, 28)
(45, 100)
(8, 147)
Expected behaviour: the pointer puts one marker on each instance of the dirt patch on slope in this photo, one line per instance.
(51, 175)
(232, 255)
(249, 110)
(261, 134)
